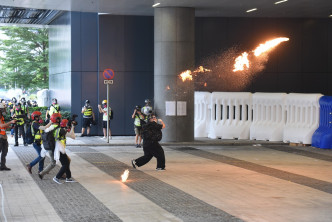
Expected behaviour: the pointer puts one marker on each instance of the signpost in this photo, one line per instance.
(108, 79)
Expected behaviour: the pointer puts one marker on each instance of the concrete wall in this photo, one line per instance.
(301, 65)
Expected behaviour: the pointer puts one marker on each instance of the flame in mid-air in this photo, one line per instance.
(268, 45)
(125, 175)
(188, 74)
(242, 60)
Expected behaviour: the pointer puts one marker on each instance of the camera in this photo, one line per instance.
(72, 121)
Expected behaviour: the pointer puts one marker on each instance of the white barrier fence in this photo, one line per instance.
(260, 116)
(230, 115)
(202, 113)
(269, 116)
(302, 117)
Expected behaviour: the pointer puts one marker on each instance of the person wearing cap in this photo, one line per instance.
(103, 109)
(53, 108)
(3, 136)
(138, 122)
(147, 109)
(88, 118)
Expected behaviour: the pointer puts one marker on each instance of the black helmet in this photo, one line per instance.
(14, 100)
(147, 101)
(138, 107)
(23, 99)
(54, 100)
(87, 101)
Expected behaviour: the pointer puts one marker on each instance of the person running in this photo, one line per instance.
(152, 134)
(60, 137)
(52, 125)
(36, 133)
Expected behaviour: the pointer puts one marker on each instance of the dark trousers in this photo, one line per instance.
(152, 149)
(21, 128)
(65, 166)
(4, 151)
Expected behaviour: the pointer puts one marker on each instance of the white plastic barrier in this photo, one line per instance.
(302, 117)
(202, 113)
(230, 115)
(269, 116)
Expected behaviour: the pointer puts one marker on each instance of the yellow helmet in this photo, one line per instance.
(104, 101)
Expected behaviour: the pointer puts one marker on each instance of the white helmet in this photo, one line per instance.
(2, 106)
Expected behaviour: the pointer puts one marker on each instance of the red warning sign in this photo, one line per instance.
(108, 74)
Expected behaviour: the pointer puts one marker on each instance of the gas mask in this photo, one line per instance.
(105, 105)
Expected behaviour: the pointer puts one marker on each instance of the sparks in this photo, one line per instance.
(125, 175)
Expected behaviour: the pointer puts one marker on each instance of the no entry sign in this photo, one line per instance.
(108, 74)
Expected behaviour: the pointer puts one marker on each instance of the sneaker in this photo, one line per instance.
(56, 180)
(16, 144)
(40, 176)
(133, 162)
(82, 135)
(70, 180)
(29, 168)
(160, 169)
(104, 137)
(4, 168)
(25, 144)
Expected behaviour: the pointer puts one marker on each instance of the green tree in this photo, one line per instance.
(24, 59)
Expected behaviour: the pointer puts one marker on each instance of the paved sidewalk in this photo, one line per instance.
(130, 141)
(205, 180)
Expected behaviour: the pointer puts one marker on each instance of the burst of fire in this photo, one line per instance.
(186, 75)
(202, 69)
(240, 62)
(168, 88)
(269, 45)
(205, 84)
(125, 175)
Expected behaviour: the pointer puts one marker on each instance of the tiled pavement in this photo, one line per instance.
(206, 180)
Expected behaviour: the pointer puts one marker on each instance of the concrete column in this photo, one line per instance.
(174, 52)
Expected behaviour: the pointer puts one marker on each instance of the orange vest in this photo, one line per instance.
(2, 129)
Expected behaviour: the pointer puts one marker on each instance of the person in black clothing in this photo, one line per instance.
(151, 133)
(36, 130)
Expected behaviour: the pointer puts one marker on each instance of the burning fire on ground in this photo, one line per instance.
(125, 175)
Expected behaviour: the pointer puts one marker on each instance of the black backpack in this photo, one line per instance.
(151, 132)
(48, 140)
(112, 114)
(29, 138)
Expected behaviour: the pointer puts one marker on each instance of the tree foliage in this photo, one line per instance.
(24, 59)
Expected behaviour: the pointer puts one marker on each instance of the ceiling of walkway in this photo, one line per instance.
(207, 8)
